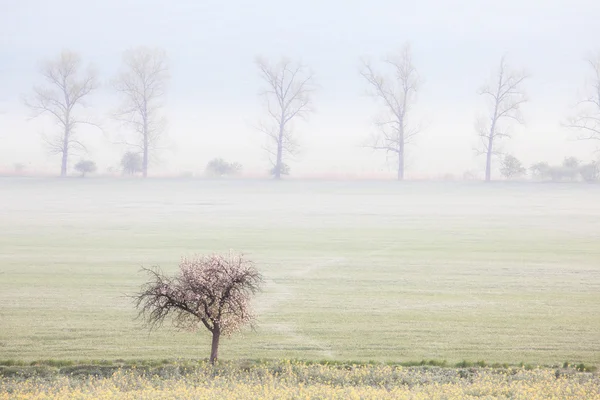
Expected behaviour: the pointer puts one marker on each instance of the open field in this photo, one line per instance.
(381, 271)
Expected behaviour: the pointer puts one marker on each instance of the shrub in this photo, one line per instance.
(511, 167)
(590, 172)
(540, 170)
(220, 168)
(85, 167)
(131, 163)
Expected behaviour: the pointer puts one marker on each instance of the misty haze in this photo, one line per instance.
(299, 200)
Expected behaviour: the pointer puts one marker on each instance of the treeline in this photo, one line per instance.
(287, 94)
(571, 170)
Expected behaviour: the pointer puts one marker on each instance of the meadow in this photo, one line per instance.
(295, 380)
(381, 271)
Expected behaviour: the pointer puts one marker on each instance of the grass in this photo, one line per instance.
(355, 271)
(64, 365)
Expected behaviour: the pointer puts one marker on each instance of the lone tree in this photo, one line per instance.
(505, 96)
(512, 167)
(142, 85)
(213, 291)
(131, 163)
(397, 92)
(85, 167)
(287, 96)
(587, 120)
(62, 98)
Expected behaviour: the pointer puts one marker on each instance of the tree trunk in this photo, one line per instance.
(214, 350)
(145, 161)
(401, 165)
(488, 159)
(278, 165)
(65, 154)
(146, 144)
(279, 161)
(488, 166)
(401, 159)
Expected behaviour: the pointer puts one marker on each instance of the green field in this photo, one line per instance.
(381, 271)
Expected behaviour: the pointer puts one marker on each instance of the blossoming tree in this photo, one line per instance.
(213, 291)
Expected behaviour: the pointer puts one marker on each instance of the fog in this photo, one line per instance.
(213, 105)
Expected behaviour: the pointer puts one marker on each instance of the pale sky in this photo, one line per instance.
(213, 102)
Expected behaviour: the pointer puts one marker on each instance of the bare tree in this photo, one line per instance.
(505, 96)
(62, 98)
(587, 121)
(213, 291)
(397, 92)
(142, 84)
(288, 95)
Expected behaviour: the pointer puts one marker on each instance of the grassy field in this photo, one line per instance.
(355, 270)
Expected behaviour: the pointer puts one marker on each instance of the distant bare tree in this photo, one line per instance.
(587, 121)
(397, 92)
(288, 95)
(213, 291)
(505, 95)
(64, 95)
(142, 84)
